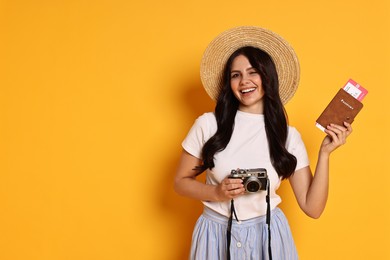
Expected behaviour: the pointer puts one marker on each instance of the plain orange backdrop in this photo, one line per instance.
(96, 97)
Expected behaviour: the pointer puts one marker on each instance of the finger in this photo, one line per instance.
(230, 184)
(340, 131)
(234, 186)
(237, 192)
(232, 180)
(338, 136)
(230, 194)
(349, 127)
(331, 134)
(338, 128)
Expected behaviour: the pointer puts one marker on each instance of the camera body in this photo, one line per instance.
(254, 180)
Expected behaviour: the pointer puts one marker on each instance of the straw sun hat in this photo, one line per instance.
(222, 47)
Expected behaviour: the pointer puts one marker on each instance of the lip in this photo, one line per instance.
(247, 91)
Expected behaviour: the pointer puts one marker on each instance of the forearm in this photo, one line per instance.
(192, 188)
(317, 194)
(187, 185)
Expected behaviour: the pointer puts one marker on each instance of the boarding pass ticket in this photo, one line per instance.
(355, 90)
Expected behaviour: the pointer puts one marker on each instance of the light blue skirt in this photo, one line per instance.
(249, 238)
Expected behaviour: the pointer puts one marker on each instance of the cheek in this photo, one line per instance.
(259, 81)
(233, 85)
(261, 91)
(234, 88)
(260, 84)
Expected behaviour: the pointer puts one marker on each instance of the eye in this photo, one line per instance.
(234, 75)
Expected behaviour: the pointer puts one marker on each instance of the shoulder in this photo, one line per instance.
(208, 116)
(206, 121)
(294, 137)
(203, 128)
(296, 146)
(293, 132)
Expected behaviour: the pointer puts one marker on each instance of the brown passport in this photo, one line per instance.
(342, 108)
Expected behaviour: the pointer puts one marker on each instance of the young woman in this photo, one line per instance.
(251, 72)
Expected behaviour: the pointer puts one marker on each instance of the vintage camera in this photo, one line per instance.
(254, 180)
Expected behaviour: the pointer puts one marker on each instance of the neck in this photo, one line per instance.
(258, 109)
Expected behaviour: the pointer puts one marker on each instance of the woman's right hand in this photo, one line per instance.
(229, 189)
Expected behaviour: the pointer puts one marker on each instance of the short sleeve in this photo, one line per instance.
(198, 135)
(296, 147)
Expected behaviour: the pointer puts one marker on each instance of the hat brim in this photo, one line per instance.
(222, 47)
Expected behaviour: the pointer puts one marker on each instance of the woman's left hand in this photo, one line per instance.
(336, 136)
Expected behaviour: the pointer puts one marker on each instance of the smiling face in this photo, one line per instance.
(246, 85)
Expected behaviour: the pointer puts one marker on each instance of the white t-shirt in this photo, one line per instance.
(248, 148)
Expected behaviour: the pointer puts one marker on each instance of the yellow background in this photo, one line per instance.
(96, 97)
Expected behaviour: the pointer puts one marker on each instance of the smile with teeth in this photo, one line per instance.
(244, 91)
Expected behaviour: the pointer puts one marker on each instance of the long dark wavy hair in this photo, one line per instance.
(275, 117)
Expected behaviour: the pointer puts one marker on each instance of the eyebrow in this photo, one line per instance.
(233, 71)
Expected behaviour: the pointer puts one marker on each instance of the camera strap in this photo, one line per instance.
(229, 228)
(268, 219)
(268, 222)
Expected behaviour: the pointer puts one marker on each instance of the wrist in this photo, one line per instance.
(323, 155)
(216, 194)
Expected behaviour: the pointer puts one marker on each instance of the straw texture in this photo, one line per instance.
(220, 49)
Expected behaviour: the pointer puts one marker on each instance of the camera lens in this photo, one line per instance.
(253, 186)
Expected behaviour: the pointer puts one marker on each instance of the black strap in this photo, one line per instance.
(268, 222)
(229, 229)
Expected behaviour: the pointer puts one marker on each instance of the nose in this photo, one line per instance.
(244, 80)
